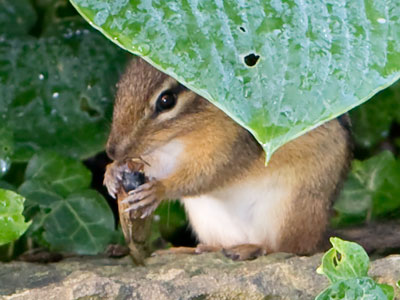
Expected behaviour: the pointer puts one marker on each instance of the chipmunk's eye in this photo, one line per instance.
(165, 102)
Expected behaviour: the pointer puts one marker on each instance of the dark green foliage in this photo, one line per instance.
(62, 82)
(57, 83)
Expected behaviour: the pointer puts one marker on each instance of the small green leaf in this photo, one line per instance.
(64, 174)
(12, 222)
(278, 68)
(82, 223)
(355, 288)
(345, 260)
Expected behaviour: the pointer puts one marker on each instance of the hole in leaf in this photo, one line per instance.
(335, 263)
(251, 59)
(85, 106)
(339, 256)
(242, 29)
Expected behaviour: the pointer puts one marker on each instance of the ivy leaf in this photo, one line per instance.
(12, 222)
(38, 193)
(354, 203)
(279, 69)
(82, 223)
(64, 174)
(66, 215)
(371, 189)
(40, 196)
(357, 288)
(345, 260)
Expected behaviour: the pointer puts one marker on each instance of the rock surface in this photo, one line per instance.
(206, 276)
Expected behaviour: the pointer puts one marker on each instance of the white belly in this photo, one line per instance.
(242, 213)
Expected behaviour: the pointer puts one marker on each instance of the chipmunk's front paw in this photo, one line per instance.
(145, 198)
(113, 177)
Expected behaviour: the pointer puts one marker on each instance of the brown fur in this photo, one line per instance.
(220, 152)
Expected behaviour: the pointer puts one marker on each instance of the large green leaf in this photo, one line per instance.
(316, 59)
(56, 91)
(12, 222)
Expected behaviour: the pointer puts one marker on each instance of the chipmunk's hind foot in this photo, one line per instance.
(244, 252)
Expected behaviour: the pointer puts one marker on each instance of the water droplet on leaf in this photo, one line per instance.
(5, 164)
(381, 20)
(144, 49)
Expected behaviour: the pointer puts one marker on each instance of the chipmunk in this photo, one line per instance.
(196, 153)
